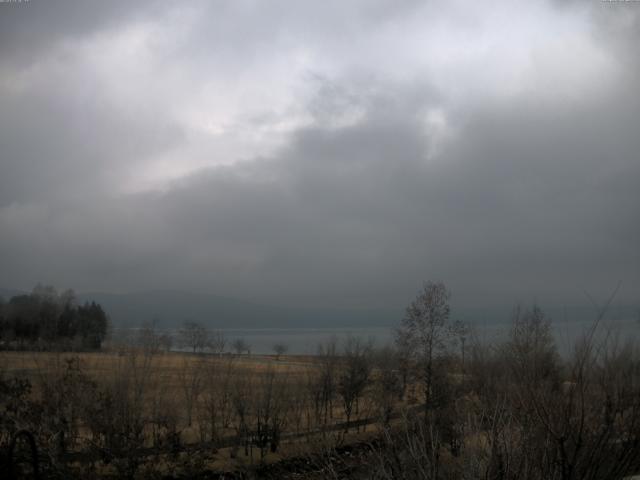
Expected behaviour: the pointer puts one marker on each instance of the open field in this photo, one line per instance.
(168, 365)
(241, 410)
(171, 374)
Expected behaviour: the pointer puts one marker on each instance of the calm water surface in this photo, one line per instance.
(306, 340)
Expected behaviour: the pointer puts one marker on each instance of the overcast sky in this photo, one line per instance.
(322, 153)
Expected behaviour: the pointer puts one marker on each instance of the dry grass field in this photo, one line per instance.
(168, 365)
(237, 411)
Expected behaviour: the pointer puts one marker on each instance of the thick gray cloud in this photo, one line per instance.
(321, 155)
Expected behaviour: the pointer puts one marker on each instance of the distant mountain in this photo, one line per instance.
(557, 314)
(172, 308)
(7, 293)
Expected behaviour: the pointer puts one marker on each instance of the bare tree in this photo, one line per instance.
(424, 333)
(584, 422)
(242, 399)
(280, 349)
(118, 414)
(148, 338)
(461, 331)
(325, 385)
(387, 382)
(241, 346)
(404, 354)
(217, 342)
(270, 410)
(191, 375)
(216, 407)
(531, 348)
(194, 336)
(354, 375)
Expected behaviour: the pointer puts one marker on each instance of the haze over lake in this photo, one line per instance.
(305, 341)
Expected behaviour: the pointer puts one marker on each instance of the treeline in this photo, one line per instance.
(508, 410)
(46, 319)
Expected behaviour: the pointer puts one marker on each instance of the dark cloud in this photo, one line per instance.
(381, 182)
(57, 142)
(28, 28)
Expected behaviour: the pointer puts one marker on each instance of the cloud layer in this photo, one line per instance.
(321, 154)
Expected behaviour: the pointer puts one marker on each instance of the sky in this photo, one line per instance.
(322, 153)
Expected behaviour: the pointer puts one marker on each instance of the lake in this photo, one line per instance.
(305, 341)
(302, 341)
